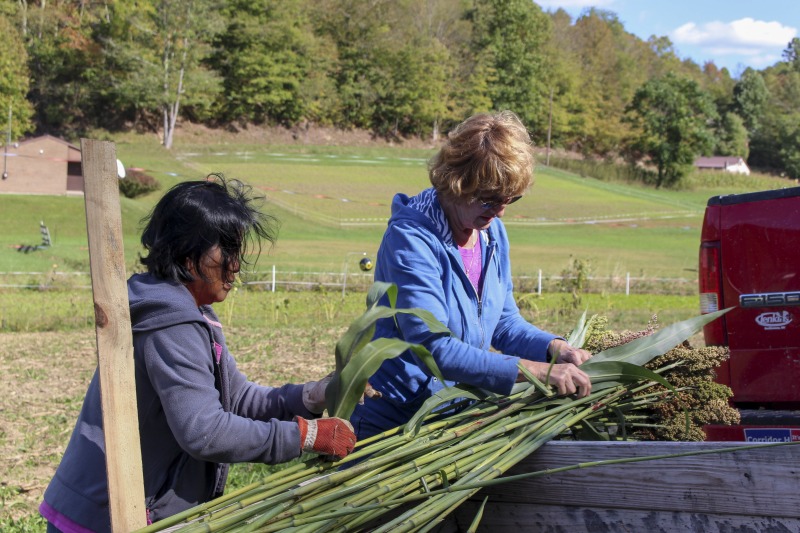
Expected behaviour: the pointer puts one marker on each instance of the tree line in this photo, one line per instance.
(399, 68)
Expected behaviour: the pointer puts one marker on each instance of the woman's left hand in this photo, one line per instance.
(314, 394)
(565, 353)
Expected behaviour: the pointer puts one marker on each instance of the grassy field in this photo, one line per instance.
(333, 203)
(335, 200)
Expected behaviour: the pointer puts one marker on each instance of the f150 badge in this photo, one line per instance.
(774, 319)
(770, 299)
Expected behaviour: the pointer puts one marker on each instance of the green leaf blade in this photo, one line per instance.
(352, 380)
(607, 374)
(442, 397)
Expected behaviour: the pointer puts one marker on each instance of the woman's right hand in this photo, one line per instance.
(332, 438)
(566, 377)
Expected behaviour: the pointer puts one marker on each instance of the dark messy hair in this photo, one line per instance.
(195, 216)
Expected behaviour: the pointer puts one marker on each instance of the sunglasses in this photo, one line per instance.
(497, 202)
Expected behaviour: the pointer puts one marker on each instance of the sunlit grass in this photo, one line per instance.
(260, 312)
(335, 200)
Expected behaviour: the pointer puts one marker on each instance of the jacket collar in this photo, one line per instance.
(427, 203)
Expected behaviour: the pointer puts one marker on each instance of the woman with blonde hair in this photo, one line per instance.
(447, 251)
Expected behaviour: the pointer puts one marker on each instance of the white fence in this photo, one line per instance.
(360, 281)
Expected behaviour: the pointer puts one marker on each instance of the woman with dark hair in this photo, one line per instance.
(448, 252)
(197, 412)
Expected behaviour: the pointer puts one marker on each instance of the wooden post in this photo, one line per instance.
(114, 340)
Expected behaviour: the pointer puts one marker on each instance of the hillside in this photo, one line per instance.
(333, 199)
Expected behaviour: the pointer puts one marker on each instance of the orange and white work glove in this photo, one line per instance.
(333, 437)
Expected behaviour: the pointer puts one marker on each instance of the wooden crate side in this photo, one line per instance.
(499, 517)
(755, 490)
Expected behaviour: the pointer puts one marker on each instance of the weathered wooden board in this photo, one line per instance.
(743, 491)
(501, 517)
(114, 341)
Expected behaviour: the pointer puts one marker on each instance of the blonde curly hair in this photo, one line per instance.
(486, 156)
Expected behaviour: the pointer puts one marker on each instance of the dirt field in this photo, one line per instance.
(43, 381)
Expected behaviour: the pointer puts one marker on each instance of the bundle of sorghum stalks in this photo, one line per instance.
(410, 478)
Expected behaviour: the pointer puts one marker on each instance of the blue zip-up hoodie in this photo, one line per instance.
(419, 255)
(197, 413)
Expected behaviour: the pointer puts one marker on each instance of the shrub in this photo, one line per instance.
(136, 183)
(604, 170)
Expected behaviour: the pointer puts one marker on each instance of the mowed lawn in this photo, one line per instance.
(333, 202)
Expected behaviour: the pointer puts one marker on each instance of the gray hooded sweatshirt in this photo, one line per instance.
(197, 413)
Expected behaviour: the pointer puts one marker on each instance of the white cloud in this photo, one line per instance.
(743, 36)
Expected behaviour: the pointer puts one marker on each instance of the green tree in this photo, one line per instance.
(416, 68)
(14, 77)
(719, 84)
(265, 56)
(156, 52)
(664, 57)
(792, 54)
(509, 40)
(442, 34)
(357, 29)
(732, 138)
(670, 116)
(596, 67)
(412, 97)
(750, 95)
(393, 69)
(600, 89)
(790, 146)
(480, 77)
(775, 145)
(566, 110)
(64, 63)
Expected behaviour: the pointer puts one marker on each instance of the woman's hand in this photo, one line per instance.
(566, 377)
(333, 438)
(314, 394)
(564, 353)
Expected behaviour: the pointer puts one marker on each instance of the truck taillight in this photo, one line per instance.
(709, 278)
(709, 302)
(711, 291)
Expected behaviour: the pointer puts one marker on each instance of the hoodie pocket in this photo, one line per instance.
(188, 483)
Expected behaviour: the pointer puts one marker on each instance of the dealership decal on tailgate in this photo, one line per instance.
(771, 435)
(774, 320)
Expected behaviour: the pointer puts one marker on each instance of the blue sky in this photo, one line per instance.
(735, 33)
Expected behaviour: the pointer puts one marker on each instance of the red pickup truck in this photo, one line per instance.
(750, 260)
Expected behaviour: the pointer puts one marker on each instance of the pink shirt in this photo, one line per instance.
(473, 264)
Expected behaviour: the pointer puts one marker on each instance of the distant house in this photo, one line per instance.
(734, 164)
(42, 165)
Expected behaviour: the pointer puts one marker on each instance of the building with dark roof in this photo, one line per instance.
(734, 164)
(42, 165)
